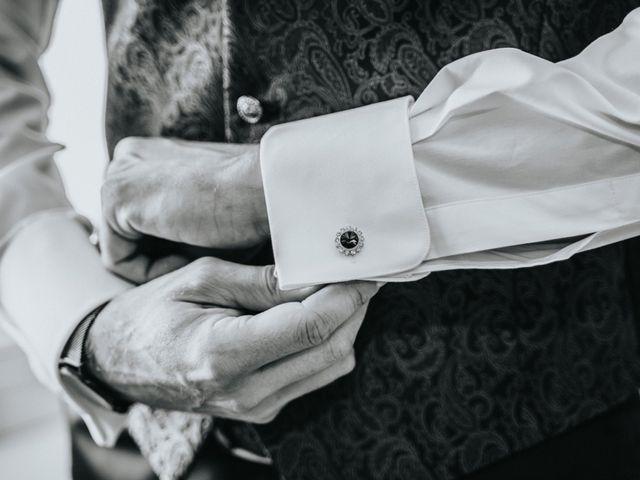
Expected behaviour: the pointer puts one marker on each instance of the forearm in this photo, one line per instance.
(51, 276)
(513, 154)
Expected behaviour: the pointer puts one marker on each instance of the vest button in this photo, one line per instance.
(249, 109)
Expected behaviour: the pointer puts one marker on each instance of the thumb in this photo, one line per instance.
(213, 281)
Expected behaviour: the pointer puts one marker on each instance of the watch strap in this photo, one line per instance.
(72, 353)
(72, 363)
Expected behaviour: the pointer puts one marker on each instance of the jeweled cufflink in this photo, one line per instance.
(349, 240)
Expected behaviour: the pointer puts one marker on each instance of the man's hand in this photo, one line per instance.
(196, 193)
(186, 341)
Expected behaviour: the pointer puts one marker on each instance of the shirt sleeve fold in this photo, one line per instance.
(519, 162)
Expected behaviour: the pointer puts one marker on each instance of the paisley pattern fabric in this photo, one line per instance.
(455, 371)
(165, 69)
(498, 361)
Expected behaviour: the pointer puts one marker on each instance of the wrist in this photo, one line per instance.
(73, 366)
(95, 366)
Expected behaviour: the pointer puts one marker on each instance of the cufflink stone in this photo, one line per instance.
(349, 240)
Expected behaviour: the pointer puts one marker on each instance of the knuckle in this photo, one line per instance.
(263, 419)
(338, 349)
(199, 400)
(359, 298)
(204, 263)
(349, 363)
(128, 158)
(109, 193)
(269, 281)
(258, 420)
(229, 407)
(224, 378)
(240, 406)
(126, 146)
(109, 262)
(199, 279)
(116, 196)
(218, 379)
(315, 328)
(131, 271)
(200, 270)
(271, 417)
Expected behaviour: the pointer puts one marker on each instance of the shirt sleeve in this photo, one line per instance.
(515, 161)
(51, 276)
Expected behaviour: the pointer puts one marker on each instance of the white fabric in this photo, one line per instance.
(305, 251)
(51, 277)
(513, 154)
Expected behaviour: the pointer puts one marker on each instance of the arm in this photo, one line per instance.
(503, 158)
(50, 275)
(505, 161)
(163, 343)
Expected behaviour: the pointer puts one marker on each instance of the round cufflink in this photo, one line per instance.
(349, 240)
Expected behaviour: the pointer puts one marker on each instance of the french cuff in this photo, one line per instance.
(342, 196)
(104, 424)
(51, 278)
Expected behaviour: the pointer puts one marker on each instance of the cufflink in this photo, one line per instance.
(349, 240)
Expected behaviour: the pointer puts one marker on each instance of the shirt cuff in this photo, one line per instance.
(349, 172)
(104, 424)
(51, 277)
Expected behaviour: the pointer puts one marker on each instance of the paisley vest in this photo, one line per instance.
(464, 367)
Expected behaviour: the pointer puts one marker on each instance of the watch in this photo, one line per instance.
(72, 367)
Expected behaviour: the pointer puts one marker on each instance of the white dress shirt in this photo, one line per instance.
(51, 277)
(506, 160)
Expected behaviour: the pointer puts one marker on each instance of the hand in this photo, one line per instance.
(186, 341)
(196, 193)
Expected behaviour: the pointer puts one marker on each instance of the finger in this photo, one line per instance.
(213, 281)
(152, 148)
(218, 147)
(268, 410)
(118, 255)
(277, 375)
(123, 257)
(293, 327)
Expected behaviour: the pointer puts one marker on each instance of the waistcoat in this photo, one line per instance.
(454, 371)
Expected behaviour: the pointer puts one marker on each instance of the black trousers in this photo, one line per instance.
(605, 448)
